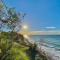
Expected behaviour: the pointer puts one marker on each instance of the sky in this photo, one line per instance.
(40, 14)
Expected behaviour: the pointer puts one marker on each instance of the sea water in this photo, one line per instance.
(52, 41)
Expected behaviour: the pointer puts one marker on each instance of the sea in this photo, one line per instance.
(52, 41)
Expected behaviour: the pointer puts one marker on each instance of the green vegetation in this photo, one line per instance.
(12, 50)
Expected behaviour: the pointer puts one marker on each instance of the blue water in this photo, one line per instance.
(53, 41)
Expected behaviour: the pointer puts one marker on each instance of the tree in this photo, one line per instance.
(10, 45)
(9, 18)
(11, 21)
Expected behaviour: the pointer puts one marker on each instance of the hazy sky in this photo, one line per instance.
(39, 13)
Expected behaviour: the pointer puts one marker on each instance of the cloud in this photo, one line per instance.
(50, 27)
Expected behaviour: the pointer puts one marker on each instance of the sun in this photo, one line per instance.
(25, 27)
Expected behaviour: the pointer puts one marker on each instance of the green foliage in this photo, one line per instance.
(1, 6)
(14, 51)
(17, 53)
(9, 18)
(13, 18)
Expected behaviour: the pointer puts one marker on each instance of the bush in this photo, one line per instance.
(12, 50)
